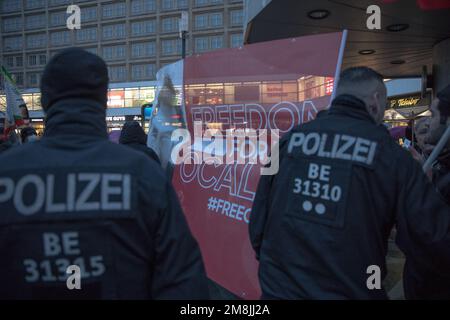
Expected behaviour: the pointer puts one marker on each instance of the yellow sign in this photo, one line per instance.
(408, 102)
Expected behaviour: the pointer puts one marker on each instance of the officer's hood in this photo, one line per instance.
(351, 106)
(74, 73)
(80, 117)
(74, 89)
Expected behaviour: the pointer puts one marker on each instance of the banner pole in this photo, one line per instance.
(339, 63)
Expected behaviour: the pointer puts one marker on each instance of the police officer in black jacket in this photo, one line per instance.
(320, 226)
(75, 201)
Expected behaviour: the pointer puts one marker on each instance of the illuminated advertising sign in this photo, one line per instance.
(116, 98)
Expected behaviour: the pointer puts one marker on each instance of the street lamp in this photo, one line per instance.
(183, 27)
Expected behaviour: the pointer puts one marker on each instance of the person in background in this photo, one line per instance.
(409, 136)
(421, 149)
(28, 134)
(440, 118)
(422, 277)
(114, 136)
(4, 143)
(421, 129)
(133, 136)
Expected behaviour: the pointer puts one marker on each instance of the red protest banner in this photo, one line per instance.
(272, 85)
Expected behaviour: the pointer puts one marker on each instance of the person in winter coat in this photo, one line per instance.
(133, 136)
(76, 203)
(320, 226)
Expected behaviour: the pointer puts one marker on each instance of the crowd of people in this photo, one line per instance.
(315, 226)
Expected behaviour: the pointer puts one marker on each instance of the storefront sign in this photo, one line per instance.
(409, 101)
(116, 98)
(411, 105)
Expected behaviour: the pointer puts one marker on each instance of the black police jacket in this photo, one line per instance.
(4, 145)
(320, 226)
(75, 204)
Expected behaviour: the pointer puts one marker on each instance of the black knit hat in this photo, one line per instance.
(444, 103)
(74, 73)
(132, 132)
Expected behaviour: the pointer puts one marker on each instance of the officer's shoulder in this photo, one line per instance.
(151, 181)
(307, 126)
(303, 126)
(132, 155)
(16, 155)
(140, 162)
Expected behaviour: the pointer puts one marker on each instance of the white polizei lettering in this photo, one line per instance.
(84, 192)
(66, 243)
(360, 150)
(52, 246)
(126, 192)
(314, 147)
(39, 197)
(71, 244)
(344, 147)
(336, 140)
(71, 187)
(313, 171)
(7, 184)
(323, 142)
(108, 190)
(295, 141)
(93, 181)
(50, 205)
(348, 142)
(325, 173)
(373, 147)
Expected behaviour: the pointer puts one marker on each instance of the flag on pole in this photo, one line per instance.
(16, 109)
